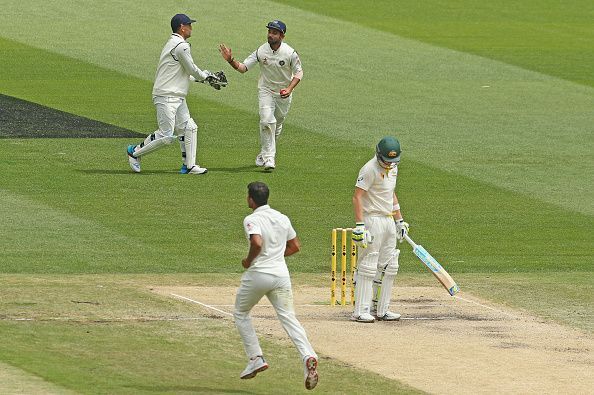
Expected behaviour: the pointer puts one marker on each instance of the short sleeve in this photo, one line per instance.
(364, 179)
(251, 60)
(291, 234)
(296, 64)
(251, 227)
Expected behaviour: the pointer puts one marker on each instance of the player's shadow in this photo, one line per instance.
(239, 169)
(128, 171)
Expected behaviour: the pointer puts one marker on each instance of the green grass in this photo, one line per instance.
(550, 37)
(135, 223)
(432, 97)
(101, 334)
(496, 182)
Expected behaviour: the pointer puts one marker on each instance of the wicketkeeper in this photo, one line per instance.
(379, 225)
(175, 71)
(280, 72)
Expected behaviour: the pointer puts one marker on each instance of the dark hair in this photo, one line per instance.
(259, 192)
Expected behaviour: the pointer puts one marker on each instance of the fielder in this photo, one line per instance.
(271, 237)
(379, 224)
(175, 71)
(280, 72)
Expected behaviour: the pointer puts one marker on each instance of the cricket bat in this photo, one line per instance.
(438, 271)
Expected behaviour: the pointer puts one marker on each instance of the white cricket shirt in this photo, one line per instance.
(277, 68)
(379, 184)
(175, 68)
(275, 229)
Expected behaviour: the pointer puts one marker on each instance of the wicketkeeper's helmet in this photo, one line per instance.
(388, 150)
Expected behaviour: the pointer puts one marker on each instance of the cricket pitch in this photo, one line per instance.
(441, 345)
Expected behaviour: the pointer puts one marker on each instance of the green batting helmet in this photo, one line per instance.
(388, 150)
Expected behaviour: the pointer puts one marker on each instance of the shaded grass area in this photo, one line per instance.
(75, 87)
(547, 36)
(23, 119)
(17, 381)
(114, 344)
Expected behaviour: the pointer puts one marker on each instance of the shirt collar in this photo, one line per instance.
(262, 208)
(177, 35)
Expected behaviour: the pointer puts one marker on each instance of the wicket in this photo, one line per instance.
(343, 266)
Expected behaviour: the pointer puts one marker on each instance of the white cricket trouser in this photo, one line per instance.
(384, 239)
(273, 112)
(371, 260)
(173, 114)
(253, 287)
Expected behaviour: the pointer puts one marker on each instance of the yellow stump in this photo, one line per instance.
(333, 270)
(353, 269)
(343, 262)
(343, 266)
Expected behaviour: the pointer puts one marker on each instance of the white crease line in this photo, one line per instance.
(101, 320)
(327, 305)
(428, 318)
(202, 304)
(482, 305)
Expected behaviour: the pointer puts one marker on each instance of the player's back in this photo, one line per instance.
(275, 229)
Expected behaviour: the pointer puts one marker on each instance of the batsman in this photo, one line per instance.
(379, 224)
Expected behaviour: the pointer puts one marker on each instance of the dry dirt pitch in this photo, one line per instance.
(441, 344)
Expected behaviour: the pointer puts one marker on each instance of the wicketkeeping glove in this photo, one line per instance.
(401, 229)
(217, 80)
(361, 236)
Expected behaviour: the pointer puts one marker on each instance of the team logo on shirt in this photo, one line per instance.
(282, 62)
(250, 226)
(360, 179)
(265, 61)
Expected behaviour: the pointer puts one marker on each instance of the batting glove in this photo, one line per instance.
(361, 236)
(401, 229)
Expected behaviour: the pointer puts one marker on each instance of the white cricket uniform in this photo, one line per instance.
(172, 82)
(380, 256)
(175, 71)
(277, 69)
(268, 276)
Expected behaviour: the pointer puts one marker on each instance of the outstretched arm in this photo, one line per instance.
(228, 56)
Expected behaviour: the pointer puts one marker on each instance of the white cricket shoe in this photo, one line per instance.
(269, 164)
(197, 170)
(311, 373)
(365, 317)
(259, 160)
(134, 162)
(389, 316)
(254, 366)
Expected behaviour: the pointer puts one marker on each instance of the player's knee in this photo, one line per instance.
(169, 140)
(392, 264)
(164, 134)
(268, 127)
(239, 316)
(267, 118)
(367, 266)
(191, 126)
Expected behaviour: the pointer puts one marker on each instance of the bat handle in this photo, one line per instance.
(410, 241)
